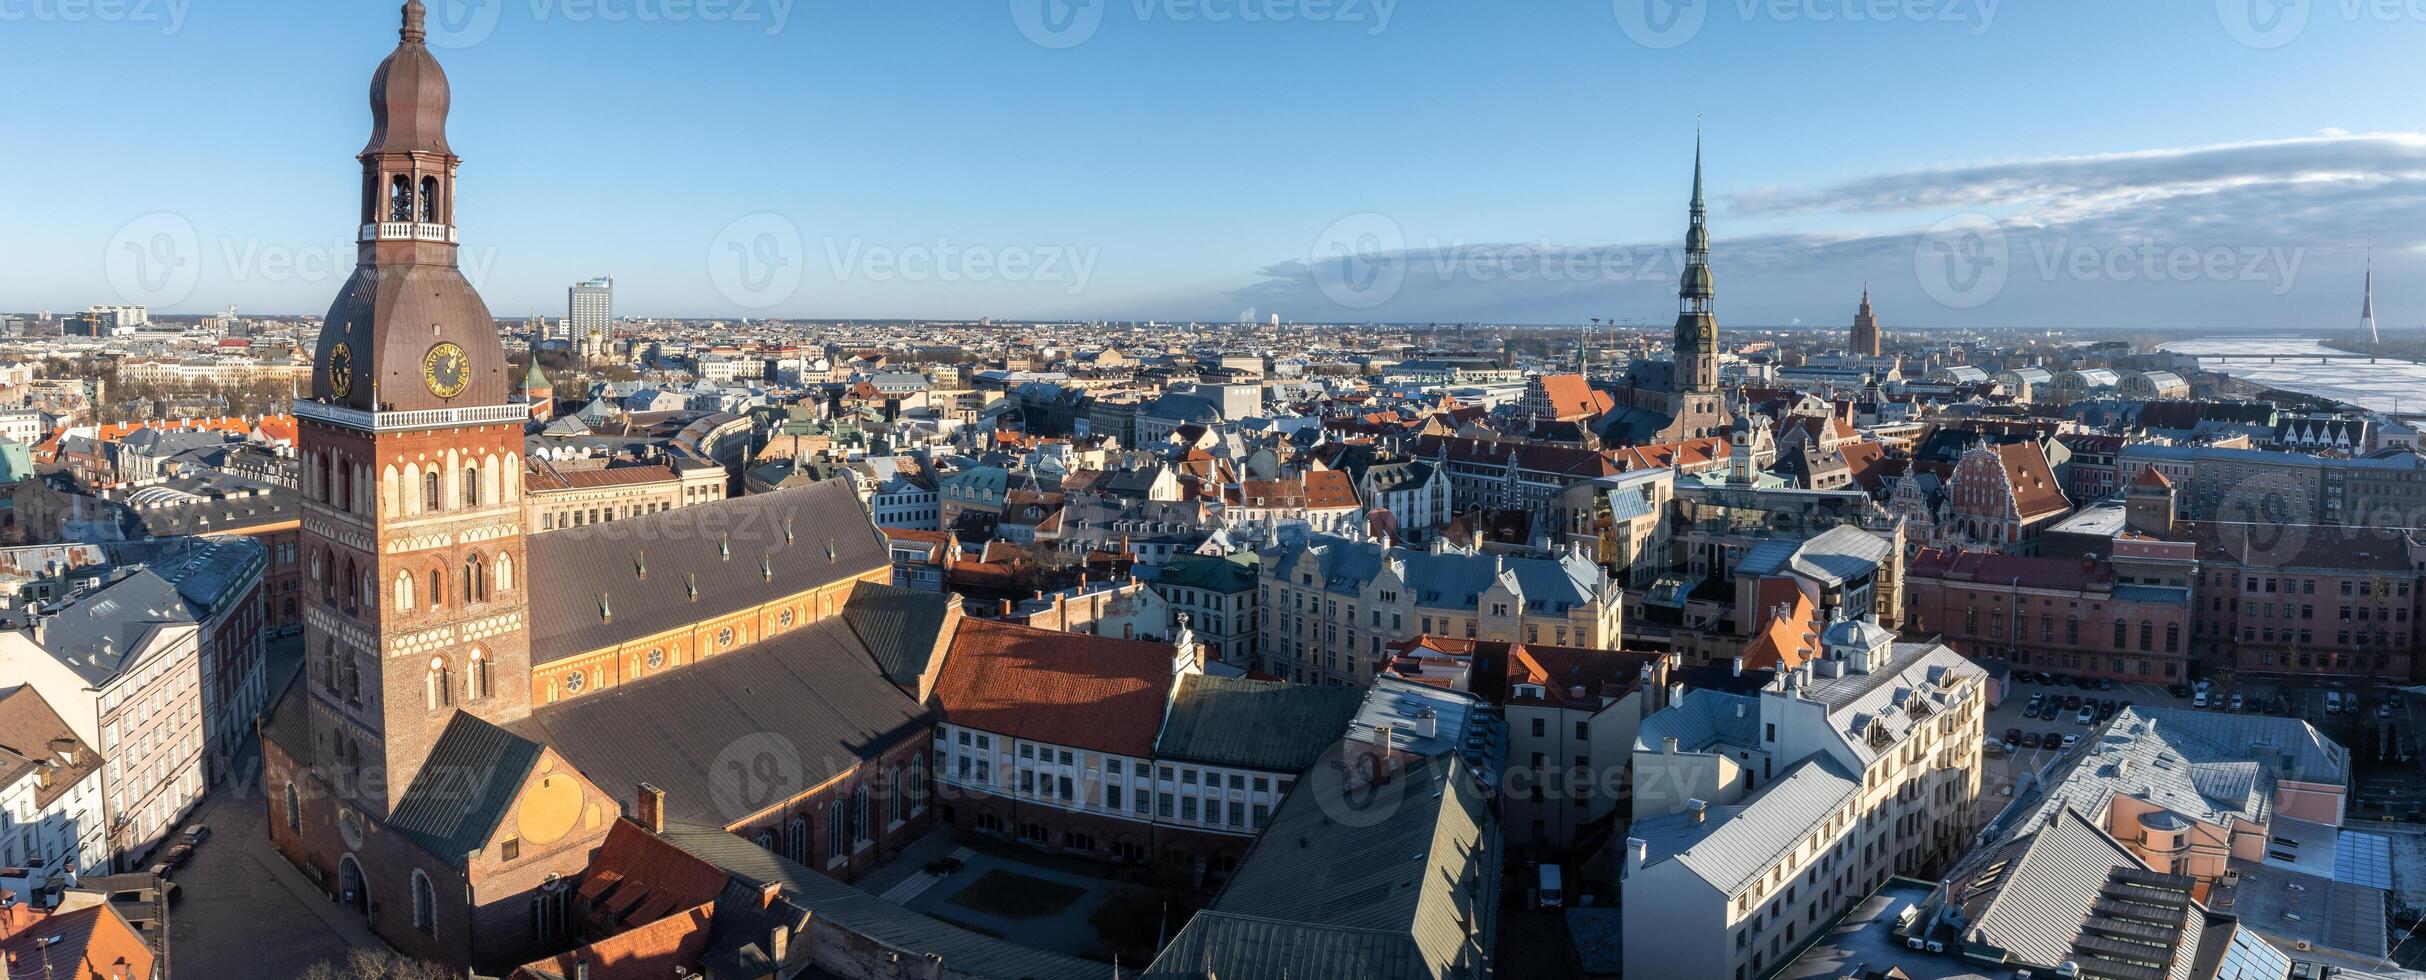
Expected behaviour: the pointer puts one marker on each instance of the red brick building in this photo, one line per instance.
(2060, 615)
(465, 732)
(2306, 599)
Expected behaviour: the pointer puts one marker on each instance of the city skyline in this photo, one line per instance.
(941, 197)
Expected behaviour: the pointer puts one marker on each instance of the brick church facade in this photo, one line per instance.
(479, 704)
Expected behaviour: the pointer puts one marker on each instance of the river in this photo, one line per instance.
(2387, 385)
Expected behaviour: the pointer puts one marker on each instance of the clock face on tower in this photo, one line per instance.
(341, 371)
(446, 370)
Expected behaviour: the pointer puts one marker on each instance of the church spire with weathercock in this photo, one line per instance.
(1696, 321)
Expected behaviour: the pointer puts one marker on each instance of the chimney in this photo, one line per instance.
(651, 809)
(1427, 723)
(1667, 746)
(779, 944)
(767, 893)
(1638, 851)
(1699, 809)
(1738, 667)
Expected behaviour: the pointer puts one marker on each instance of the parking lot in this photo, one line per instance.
(2377, 723)
(2042, 738)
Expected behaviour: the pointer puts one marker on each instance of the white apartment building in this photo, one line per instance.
(1760, 818)
(1332, 606)
(50, 797)
(123, 665)
(906, 503)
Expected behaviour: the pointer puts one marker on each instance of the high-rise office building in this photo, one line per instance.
(589, 312)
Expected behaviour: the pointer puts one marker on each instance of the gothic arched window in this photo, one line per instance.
(475, 580)
(429, 491)
(438, 688)
(471, 486)
(425, 903)
(404, 591)
(476, 680)
(429, 200)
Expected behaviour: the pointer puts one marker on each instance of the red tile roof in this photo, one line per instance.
(670, 946)
(1329, 489)
(1573, 397)
(1784, 637)
(2035, 492)
(638, 878)
(1071, 689)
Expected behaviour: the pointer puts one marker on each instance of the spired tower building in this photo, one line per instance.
(1686, 402)
(387, 773)
(1865, 329)
(412, 464)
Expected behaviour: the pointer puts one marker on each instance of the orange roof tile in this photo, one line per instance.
(1069, 689)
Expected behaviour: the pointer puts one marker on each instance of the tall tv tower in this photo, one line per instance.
(2367, 331)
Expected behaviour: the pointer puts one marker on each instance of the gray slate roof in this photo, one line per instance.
(1732, 845)
(1273, 726)
(898, 626)
(1387, 893)
(642, 569)
(474, 773)
(813, 697)
(94, 635)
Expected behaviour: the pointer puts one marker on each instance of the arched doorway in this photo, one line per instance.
(352, 888)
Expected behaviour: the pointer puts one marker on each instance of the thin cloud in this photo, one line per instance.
(2090, 241)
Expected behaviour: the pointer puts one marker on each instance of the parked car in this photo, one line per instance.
(2177, 690)
(2052, 740)
(2200, 686)
(2199, 700)
(2084, 717)
(2105, 708)
(2035, 701)
(2046, 678)
(2333, 702)
(2072, 702)
(2235, 702)
(197, 833)
(2013, 737)
(2072, 740)
(178, 854)
(2030, 740)
(2105, 683)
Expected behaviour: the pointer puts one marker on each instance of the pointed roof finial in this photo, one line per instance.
(413, 32)
(1697, 162)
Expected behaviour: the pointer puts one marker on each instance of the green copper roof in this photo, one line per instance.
(535, 378)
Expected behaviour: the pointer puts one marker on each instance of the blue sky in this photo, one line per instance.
(1978, 162)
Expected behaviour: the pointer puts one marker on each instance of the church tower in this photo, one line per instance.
(1696, 320)
(411, 469)
(1865, 329)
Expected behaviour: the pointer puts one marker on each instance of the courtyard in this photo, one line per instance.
(1064, 904)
